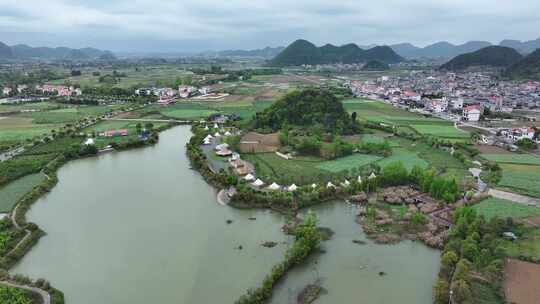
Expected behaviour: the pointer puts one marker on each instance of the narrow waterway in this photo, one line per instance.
(141, 227)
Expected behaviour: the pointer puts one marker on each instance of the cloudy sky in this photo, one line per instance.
(195, 25)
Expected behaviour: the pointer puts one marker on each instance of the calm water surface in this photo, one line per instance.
(141, 227)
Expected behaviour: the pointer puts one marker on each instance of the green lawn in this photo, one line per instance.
(67, 114)
(348, 162)
(513, 158)
(15, 128)
(494, 207)
(12, 192)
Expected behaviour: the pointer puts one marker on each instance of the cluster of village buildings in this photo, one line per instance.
(442, 92)
(59, 90)
(169, 95)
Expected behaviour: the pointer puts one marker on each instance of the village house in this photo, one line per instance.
(6, 91)
(114, 133)
(518, 133)
(471, 113)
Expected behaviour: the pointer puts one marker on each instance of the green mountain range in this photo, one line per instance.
(23, 51)
(493, 56)
(527, 68)
(304, 52)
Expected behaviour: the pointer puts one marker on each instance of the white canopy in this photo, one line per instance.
(274, 186)
(206, 128)
(249, 177)
(346, 183)
(216, 126)
(209, 136)
(222, 146)
(217, 134)
(330, 185)
(313, 186)
(206, 141)
(359, 179)
(89, 142)
(292, 187)
(228, 133)
(372, 175)
(258, 183)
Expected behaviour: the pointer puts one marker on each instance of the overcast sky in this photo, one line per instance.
(195, 25)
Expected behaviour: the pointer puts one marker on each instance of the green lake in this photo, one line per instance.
(141, 227)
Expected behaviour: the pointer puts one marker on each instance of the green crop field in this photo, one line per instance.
(67, 114)
(131, 126)
(494, 207)
(440, 130)
(524, 179)
(528, 245)
(272, 168)
(348, 162)
(377, 111)
(16, 129)
(12, 192)
(408, 158)
(514, 158)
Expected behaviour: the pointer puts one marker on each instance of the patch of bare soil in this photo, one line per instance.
(521, 282)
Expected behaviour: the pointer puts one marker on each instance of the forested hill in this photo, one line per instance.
(23, 51)
(309, 107)
(304, 52)
(493, 56)
(527, 68)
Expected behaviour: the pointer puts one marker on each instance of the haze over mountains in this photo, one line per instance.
(22, 51)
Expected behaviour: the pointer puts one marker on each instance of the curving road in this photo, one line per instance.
(44, 295)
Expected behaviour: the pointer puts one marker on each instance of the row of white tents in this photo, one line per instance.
(256, 182)
(208, 139)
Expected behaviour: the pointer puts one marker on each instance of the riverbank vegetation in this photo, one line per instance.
(307, 239)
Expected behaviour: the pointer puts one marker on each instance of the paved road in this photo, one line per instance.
(44, 295)
(522, 199)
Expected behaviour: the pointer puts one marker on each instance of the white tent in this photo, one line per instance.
(292, 188)
(209, 136)
(216, 126)
(359, 179)
(206, 128)
(222, 146)
(249, 177)
(330, 185)
(89, 142)
(313, 186)
(346, 183)
(207, 141)
(372, 175)
(227, 133)
(258, 183)
(274, 186)
(217, 134)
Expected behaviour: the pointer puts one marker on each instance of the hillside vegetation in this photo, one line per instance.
(311, 107)
(493, 56)
(527, 68)
(304, 52)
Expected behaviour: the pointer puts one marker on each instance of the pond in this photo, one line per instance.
(141, 227)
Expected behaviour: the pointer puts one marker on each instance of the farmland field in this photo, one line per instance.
(12, 192)
(408, 158)
(494, 207)
(348, 162)
(524, 179)
(272, 168)
(131, 126)
(19, 129)
(376, 111)
(514, 158)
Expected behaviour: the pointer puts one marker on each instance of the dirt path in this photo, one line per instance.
(44, 295)
(522, 199)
